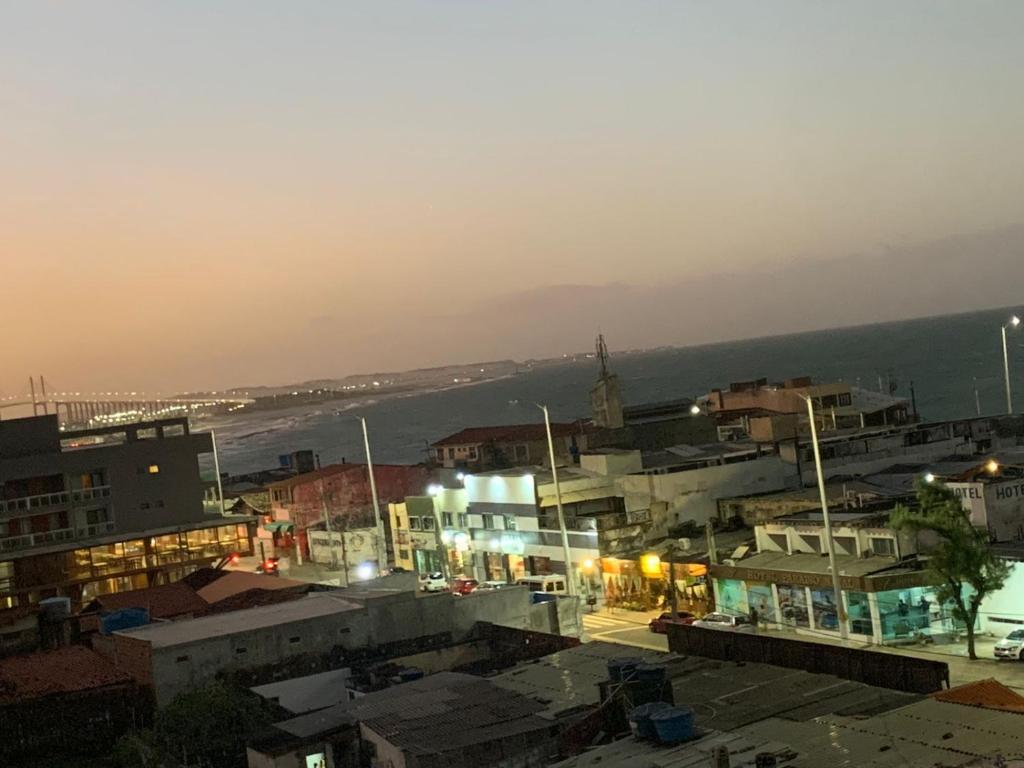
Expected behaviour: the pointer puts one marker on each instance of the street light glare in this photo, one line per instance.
(433, 489)
(694, 410)
(1014, 321)
(992, 466)
(929, 477)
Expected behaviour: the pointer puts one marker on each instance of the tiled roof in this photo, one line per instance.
(235, 582)
(163, 602)
(511, 432)
(65, 670)
(334, 469)
(987, 694)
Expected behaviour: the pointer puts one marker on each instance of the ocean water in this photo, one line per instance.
(941, 355)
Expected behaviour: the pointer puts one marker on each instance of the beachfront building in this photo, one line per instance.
(887, 593)
(92, 512)
(480, 449)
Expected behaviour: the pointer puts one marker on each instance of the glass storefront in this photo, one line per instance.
(859, 611)
(909, 613)
(759, 598)
(793, 605)
(824, 609)
(731, 596)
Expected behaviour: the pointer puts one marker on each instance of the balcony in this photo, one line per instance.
(51, 501)
(30, 540)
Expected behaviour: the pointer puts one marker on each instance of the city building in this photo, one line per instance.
(838, 406)
(337, 497)
(479, 449)
(91, 512)
(888, 595)
(416, 532)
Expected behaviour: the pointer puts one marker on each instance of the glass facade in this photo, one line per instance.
(907, 613)
(759, 598)
(732, 596)
(824, 609)
(793, 605)
(859, 611)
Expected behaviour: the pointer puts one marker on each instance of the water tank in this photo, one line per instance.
(673, 725)
(55, 609)
(651, 673)
(622, 668)
(640, 719)
(126, 618)
(409, 674)
(542, 597)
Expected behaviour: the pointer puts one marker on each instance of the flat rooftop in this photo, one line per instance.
(175, 633)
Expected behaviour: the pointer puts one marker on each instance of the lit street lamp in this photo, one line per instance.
(829, 543)
(1013, 323)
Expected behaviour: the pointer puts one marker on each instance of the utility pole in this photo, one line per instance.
(35, 407)
(570, 577)
(382, 552)
(829, 543)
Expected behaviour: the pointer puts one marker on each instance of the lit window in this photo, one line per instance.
(154, 469)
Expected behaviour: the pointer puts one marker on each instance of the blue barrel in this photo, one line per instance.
(640, 719)
(622, 668)
(126, 618)
(651, 673)
(673, 725)
(410, 674)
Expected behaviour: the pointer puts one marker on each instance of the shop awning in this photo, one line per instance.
(279, 527)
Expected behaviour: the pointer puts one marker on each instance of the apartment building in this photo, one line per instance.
(91, 512)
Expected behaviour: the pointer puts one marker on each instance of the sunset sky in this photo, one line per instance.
(200, 195)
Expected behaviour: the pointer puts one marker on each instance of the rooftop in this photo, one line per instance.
(816, 563)
(308, 693)
(511, 433)
(235, 582)
(175, 633)
(163, 602)
(988, 694)
(65, 670)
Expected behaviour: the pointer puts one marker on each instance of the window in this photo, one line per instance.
(510, 523)
(428, 523)
(488, 521)
(463, 520)
(472, 452)
(440, 454)
(447, 519)
(845, 545)
(522, 453)
(451, 453)
(414, 523)
(174, 430)
(240, 651)
(780, 540)
(812, 541)
(154, 469)
(882, 547)
(403, 554)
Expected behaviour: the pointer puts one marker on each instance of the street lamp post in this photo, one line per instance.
(1013, 323)
(570, 579)
(382, 552)
(829, 543)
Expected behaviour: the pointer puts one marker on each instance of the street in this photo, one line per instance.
(625, 631)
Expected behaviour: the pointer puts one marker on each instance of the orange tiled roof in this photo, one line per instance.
(163, 602)
(65, 670)
(235, 582)
(987, 694)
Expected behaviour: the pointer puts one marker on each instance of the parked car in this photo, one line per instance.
(433, 582)
(464, 586)
(660, 624)
(725, 621)
(1011, 646)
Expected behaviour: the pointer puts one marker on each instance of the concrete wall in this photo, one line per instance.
(694, 494)
(1000, 612)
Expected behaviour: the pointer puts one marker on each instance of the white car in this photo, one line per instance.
(433, 582)
(1011, 646)
(725, 621)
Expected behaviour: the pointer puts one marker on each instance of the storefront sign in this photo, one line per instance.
(804, 579)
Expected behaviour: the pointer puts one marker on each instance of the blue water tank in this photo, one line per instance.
(622, 668)
(409, 674)
(640, 719)
(673, 725)
(126, 618)
(543, 597)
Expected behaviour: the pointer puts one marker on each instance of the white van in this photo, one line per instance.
(552, 583)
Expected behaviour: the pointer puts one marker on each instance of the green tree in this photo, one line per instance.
(965, 567)
(210, 726)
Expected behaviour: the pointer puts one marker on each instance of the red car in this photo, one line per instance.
(660, 624)
(464, 586)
